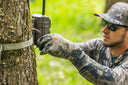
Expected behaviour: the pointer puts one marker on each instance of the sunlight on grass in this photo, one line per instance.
(74, 20)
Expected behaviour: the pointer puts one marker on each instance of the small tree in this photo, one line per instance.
(17, 67)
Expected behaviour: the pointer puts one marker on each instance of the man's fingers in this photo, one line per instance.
(47, 35)
(42, 52)
(46, 48)
(43, 40)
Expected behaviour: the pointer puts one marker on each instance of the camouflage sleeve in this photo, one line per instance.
(84, 56)
(97, 73)
(58, 46)
(91, 47)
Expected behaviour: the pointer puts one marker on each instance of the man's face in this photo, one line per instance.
(114, 38)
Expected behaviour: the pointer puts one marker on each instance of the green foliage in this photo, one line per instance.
(74, 20)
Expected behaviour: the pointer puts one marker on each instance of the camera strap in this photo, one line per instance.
(15, 46)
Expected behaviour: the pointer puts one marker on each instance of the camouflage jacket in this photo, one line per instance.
(94, 63)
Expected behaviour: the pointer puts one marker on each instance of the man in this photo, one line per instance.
(101, 61)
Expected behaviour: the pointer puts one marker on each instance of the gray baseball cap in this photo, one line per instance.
(117, 14)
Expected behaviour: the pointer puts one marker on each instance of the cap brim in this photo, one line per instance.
(108, 18)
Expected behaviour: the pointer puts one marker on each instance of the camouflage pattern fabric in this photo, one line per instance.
(117, 14)
(91, 58)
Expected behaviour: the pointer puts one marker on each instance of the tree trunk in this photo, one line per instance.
(17, 67)
(109, 3)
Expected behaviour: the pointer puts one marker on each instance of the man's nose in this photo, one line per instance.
(105, 29)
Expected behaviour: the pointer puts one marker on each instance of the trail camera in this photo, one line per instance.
(40, 23)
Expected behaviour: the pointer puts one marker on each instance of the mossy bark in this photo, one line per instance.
(17, 67)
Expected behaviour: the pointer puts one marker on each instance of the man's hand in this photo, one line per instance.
(55, 45)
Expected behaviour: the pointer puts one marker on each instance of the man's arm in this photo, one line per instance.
(56, 45)
(79, 54)
(97, 73)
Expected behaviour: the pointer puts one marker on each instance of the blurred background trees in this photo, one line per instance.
(75, 20)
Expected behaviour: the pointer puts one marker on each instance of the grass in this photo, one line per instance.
(74, 20)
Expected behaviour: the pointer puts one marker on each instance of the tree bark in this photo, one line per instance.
(109, 3)
(17, 67)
